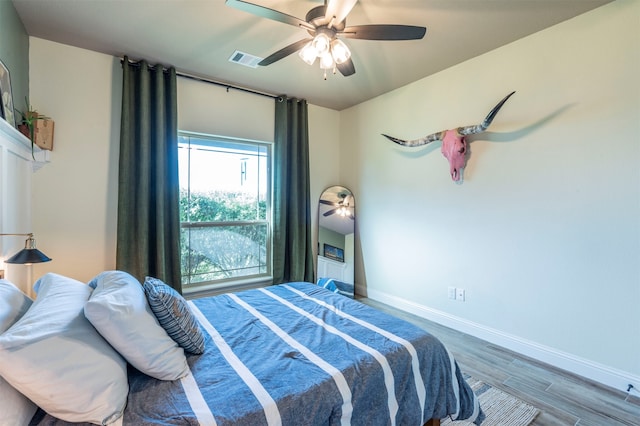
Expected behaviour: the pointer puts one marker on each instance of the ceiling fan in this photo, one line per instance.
(342, 207)
(326, 25)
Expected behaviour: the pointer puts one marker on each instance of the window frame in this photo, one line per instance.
(253, 280)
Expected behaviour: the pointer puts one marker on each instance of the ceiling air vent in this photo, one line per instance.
(245, 59)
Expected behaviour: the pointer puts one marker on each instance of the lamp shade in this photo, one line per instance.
(321, 43)
(308, 53)
(29, 254)
(340, 51)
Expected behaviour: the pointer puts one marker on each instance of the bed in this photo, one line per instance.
(291, 354)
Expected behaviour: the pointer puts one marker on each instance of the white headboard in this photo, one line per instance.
(15, 198)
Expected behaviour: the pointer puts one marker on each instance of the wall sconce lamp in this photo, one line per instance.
(29, 254)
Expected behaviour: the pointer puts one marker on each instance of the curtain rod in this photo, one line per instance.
(227, 85)
(209, 81)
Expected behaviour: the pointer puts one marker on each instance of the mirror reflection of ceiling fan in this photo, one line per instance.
(326, 26)
(342, 207)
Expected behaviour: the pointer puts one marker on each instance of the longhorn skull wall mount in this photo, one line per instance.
(454, 144)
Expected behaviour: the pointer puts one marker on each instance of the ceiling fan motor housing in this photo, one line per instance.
(317, 18)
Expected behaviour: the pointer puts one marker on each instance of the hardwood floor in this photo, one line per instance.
(562, 397)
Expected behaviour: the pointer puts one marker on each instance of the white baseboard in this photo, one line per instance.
(600, 373)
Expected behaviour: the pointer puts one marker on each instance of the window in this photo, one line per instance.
(225, 211)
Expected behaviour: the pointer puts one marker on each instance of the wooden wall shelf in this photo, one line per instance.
(12, 136)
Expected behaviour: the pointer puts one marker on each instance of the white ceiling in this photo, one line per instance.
(199, 36)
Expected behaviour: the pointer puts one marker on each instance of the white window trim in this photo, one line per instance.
(206, 288)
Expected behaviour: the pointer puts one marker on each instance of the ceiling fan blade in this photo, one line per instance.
(384, 32)
(346, 68)
(265, 12)
(330, 212)
(284, 52)
(340, 9)
(330, 203)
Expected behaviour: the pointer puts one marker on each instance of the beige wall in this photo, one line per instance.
(324, 162)
(544, 233)
(74, 197)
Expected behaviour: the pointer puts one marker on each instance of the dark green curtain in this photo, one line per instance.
(148, 241)
(292, 246)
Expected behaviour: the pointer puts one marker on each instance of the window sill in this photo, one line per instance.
(220, 288)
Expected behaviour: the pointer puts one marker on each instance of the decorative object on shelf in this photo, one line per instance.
(29, 254)
(37, 127)
(454, 145)
(6, 106)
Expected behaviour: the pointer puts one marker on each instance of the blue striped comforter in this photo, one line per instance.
(297, 354)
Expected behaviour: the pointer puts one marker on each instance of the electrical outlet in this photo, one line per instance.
(460, 294)
(452, 293)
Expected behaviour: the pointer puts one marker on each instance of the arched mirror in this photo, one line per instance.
(336, 240)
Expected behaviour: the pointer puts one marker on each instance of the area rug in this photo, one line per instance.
(500, 408)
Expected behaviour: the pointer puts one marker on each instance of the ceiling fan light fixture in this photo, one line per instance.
(340, 51)
(321, 43)
(326, 61)
(308, 53)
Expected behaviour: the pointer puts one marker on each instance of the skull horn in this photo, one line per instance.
(470, 130)
(418, 142)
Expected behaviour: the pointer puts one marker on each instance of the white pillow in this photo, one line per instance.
(15, 408)
(13, 304)
(118, 309)
(56, 358)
